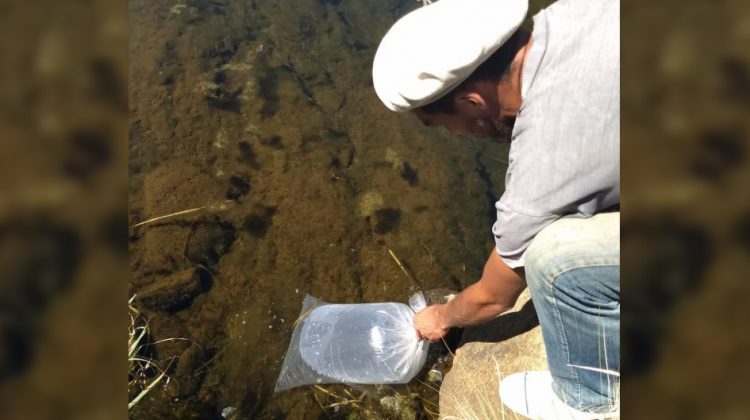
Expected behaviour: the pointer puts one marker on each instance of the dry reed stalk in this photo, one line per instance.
(401, 266)
(221, 206)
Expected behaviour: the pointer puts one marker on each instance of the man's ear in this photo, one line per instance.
(471, 103)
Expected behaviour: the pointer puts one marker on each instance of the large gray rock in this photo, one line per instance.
(510, 343)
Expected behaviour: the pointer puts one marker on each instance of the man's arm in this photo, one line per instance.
(493, 294)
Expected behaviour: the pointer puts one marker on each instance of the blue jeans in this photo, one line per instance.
(573, 273)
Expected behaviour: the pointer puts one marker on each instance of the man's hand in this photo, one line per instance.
(430, 323)
(493, 294)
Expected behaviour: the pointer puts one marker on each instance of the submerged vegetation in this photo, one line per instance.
(141, 368)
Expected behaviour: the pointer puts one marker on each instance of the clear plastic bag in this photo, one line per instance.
(368, 343)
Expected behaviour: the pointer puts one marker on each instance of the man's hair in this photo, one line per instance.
(494, 68)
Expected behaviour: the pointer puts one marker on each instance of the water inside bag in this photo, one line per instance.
(369, 343)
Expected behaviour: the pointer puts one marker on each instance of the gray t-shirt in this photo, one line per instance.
(565, 154)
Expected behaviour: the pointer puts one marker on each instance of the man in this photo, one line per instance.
(466, 65)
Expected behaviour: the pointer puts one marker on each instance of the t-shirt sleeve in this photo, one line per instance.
(514, 232)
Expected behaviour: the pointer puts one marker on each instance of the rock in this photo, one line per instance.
(209, 242)
(163, 247)
(172, 389)
(171, 188)
(328, 98)
(173, 291)
(398, 406)
(510, 343)
(370, 202)
(186, 375)
(163, 330)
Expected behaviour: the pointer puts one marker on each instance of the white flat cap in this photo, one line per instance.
(433, 49)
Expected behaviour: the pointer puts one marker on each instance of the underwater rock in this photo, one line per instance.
(369, 202)
(209, 242)
(161, 329)
(328, 98)
(186, 376)
(173, 187)
(172, 292)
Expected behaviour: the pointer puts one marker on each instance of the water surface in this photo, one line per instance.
(265, 112)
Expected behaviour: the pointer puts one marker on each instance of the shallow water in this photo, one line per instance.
(264, 111)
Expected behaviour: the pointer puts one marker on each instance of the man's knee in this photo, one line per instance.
(570, 243)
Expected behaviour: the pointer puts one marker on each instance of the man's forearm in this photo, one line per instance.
(470, 308)
(495, 293)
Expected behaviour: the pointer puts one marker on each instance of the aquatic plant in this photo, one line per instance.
(381, 401)
(140, 366)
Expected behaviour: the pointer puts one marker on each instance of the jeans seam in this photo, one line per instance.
(558, 317)
(566, 348)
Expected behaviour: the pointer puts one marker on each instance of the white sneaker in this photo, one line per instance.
(530, 394)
